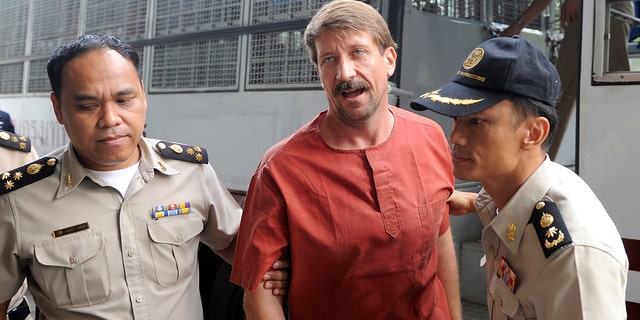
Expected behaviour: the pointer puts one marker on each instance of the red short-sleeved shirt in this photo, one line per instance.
(360, 226)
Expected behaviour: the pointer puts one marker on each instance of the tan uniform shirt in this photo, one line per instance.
(109, 258)
(585, 279)
(12, 157)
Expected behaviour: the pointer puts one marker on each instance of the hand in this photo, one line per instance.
(512, 30)
(570, 12)
(461, 203)
(277, 278)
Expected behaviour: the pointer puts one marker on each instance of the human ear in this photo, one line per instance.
(538, 130)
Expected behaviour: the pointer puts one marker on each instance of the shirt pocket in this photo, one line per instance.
(504, 303)
(73, 270)
(174, 248)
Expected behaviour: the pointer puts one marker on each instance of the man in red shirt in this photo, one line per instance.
(357, 197)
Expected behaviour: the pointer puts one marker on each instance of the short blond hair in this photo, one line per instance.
(347, 16)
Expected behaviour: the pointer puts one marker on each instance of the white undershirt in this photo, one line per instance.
(119, 179)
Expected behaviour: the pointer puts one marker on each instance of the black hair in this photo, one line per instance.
(81, 45)
(527, 106)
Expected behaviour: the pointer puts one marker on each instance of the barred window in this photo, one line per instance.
(280, 58)
(55, 22)
(11, 78)
(199, 64)
(122, 18)
(14, 21)
(38, 80)
(181, 17)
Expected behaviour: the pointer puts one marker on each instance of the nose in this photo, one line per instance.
(456, 137)
(346, 70)
(110, 115)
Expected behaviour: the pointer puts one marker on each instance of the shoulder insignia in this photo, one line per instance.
(182, 152)
(14, 141)
(27, 174)
(550, 227)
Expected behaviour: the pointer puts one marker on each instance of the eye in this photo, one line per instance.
(358, 52)
(476, 121)
(329, 59)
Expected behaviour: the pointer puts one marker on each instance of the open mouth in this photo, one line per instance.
(352, 94)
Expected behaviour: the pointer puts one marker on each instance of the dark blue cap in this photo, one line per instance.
(494, 71)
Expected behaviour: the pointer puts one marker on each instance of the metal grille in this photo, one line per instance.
(280, 58)
(14, 22)
(38, 80)
(199, 64)
(508, 11)
(267, 11)
(55, 22)
(11, 78)
(122, 18)
(465, 9)
(179, 16)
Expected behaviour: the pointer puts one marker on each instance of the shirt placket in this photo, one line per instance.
(384, 192)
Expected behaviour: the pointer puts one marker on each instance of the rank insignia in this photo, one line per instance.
(550, 227)
(14, 141)
(182, 152)
(27, 174)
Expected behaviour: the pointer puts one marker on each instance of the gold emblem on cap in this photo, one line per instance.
(511, 232)
(473, 59)
(434, 96)
(34, 168)
(546, 220)
(4, 136)
(176, 148)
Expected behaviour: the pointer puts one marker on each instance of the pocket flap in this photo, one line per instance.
(503, 297)
(69, 251)
(174, 230)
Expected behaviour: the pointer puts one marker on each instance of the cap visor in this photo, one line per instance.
(456, 100)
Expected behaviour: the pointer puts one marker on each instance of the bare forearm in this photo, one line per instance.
(261, 304)
(448, 274)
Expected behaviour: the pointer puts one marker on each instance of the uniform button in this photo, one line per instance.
(139, 299)
(73, 259)
(179, 237)
(130, 253)
(124, 207)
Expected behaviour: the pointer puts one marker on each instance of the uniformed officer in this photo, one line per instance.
(16, 150)
(552, 251)
(108, 227)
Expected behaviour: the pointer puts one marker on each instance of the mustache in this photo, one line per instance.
(350, 86)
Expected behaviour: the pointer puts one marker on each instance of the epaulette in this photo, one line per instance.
(27, 174)
(14, 141)
(550, 227)
(182, 152)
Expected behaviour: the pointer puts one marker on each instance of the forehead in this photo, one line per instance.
(96, 67)
(331, 39)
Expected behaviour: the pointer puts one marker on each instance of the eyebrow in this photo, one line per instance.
(86, 97)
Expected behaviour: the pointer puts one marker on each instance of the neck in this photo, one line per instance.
(340, 135)
(502, 188)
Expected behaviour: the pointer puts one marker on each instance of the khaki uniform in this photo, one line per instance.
(88, 253)
(568, 264)
(15, 150)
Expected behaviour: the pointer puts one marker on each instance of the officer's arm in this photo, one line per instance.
(3, 309)
(227, 253)
(262, 304)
